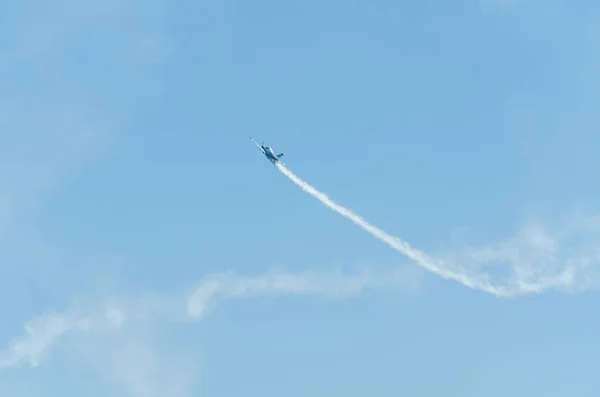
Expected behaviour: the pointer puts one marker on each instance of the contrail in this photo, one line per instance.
(331, 284)
(436, 266)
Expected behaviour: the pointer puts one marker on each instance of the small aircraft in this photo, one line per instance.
(268, 152)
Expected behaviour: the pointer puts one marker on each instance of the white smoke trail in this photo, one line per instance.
(332, 284)
(475, 281)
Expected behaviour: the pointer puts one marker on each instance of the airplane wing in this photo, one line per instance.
(256, 143)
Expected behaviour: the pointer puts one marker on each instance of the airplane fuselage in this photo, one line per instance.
(269, 152)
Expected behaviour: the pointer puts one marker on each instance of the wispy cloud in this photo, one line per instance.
(132, 350)
(332, 285)
(146, 367)
(538, 258)
(123, 340)
(52, 124)
(126, 338)
(120, 339)
(120, 315)
(43, 332)
(54, 119)
(62, 65)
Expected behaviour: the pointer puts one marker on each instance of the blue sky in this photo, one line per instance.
(149, 250)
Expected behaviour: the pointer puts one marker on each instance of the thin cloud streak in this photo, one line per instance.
(331, 285)
(115, 316)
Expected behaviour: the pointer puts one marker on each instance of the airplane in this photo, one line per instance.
(268, 152)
